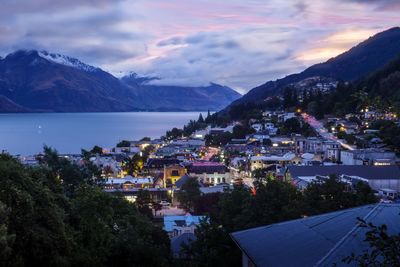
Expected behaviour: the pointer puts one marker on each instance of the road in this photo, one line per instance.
(322, 131)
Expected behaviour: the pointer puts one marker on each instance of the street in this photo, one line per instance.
(323, 132)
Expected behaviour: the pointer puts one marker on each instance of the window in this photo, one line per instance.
(175, 173)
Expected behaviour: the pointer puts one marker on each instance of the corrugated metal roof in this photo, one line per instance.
(365, 171)
(315, 241)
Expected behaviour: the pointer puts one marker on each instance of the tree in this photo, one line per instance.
(240, 131)
(189, 193)
(200, 120)
(218, 140)
(213, 247)
(6, 239)
(174, 133)
(97, 150)
(384, 249)
(69, 174)
(207, 204)
(292, 125)
(144, 203)
(41, 225)
(325, 195)
(33, 228)
(133, 165)
(124, 143)
(289, 97)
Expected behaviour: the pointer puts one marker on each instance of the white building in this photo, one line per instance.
(367, 157)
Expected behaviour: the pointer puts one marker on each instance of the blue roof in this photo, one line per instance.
(315, 241)
(171, 221)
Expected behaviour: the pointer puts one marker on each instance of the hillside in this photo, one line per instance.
(357, 62)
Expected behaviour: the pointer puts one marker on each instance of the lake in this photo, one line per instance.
(26, 133)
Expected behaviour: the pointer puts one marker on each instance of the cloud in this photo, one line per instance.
(192, 42)
(379, 4)
(46, 6)
(171, 41)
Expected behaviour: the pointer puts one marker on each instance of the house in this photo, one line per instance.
(259, 136)
(128, 182)
(322, 240)
(367, 157)
(159, 163)
(210, 173)
(262, 162)
(286, 116)
(178, 225)
(270, 127)
(258, 126)
(377, 177)
(221, 188)
(173, 173)
(200, 134)
(347, 126)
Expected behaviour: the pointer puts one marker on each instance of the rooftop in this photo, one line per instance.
(366, 171)
(321, 240)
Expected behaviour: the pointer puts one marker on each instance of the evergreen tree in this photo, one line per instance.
(200, 120)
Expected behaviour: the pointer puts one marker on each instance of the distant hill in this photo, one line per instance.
(357, 62)
(38, 81)
(166, 97)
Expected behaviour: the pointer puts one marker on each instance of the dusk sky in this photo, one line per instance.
(237, 43)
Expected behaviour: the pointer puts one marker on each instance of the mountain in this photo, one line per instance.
(10, 106)
(38, 81)
(384, 83)
(167, 97)
(357, 62)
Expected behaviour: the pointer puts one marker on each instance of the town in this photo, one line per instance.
(165, 177)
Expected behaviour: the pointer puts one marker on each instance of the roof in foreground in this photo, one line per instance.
(365, 171)
(321, 240)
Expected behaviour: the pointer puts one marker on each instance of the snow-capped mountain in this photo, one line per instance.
(67, 61)
(41, 81)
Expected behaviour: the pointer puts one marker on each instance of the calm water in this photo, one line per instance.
(69, 132)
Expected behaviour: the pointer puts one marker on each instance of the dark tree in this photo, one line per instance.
(384, 249)
(189, 193)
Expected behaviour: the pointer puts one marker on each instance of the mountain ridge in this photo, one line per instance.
(365, 57)
(39, 81)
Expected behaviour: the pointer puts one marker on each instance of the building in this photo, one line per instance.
(178, 225)
(128, 182)
(367, 157)
(322, 240)
(172, 173)
(378, 177)
(210, 173)
(263, 162)
(159, 163)
(328, 148)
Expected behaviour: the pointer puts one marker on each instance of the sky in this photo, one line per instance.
(236, 43)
